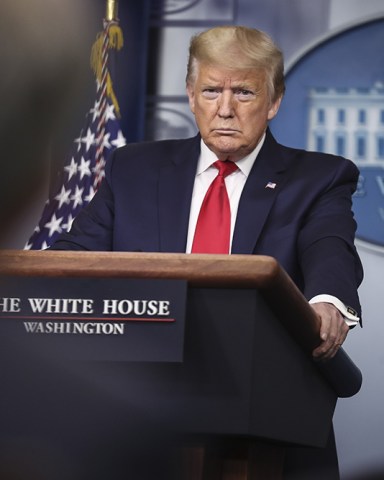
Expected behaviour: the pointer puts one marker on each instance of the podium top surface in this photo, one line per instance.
(199, 269)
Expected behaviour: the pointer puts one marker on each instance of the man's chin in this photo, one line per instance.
(224, 149)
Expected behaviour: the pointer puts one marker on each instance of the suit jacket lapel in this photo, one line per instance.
(261, 188)
(176, 182)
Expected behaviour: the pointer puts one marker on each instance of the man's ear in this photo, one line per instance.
(274, 108)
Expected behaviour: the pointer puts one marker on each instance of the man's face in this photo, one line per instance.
(231, 108)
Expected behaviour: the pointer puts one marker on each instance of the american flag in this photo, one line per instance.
(85, 167)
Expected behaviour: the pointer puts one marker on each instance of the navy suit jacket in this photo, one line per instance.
(305, 221)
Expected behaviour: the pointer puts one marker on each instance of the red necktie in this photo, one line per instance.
(213, 226)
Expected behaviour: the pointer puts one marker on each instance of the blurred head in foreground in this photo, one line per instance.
(44, 51)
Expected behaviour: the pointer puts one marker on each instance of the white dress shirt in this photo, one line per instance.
(234, 183)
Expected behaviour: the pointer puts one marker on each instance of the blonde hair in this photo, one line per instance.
(236, 47)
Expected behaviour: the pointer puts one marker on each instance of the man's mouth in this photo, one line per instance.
(225, 131)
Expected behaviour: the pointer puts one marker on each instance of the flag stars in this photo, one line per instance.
(54, 225)
(77, 197)
(84, 168)
(63, 197)
(67, 226)
(95, 111)
(89, 139)
(110, 113)
(119, 140)
(71, 168)
(44, 245)
(90, 195)
(78, 142)
(105, 141)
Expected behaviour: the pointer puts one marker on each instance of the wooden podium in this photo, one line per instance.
(244, 390)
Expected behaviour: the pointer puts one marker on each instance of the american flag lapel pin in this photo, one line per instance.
(270, 185)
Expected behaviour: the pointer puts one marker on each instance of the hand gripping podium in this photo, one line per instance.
(246, 385)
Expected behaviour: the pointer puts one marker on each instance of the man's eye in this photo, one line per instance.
(210, 92)
(244, 93)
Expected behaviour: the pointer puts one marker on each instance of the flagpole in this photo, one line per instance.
(111, 10)
(111, 37)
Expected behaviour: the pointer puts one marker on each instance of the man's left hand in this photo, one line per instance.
(333, 330)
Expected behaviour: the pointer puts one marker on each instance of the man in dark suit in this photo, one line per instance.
(286, 203)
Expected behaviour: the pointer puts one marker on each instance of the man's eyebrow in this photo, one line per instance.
(245, 86)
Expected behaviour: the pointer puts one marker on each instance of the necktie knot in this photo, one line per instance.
(225, 167)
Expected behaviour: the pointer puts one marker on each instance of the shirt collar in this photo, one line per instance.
(207, 158)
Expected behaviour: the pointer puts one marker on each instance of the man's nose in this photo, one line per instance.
(226, 105)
